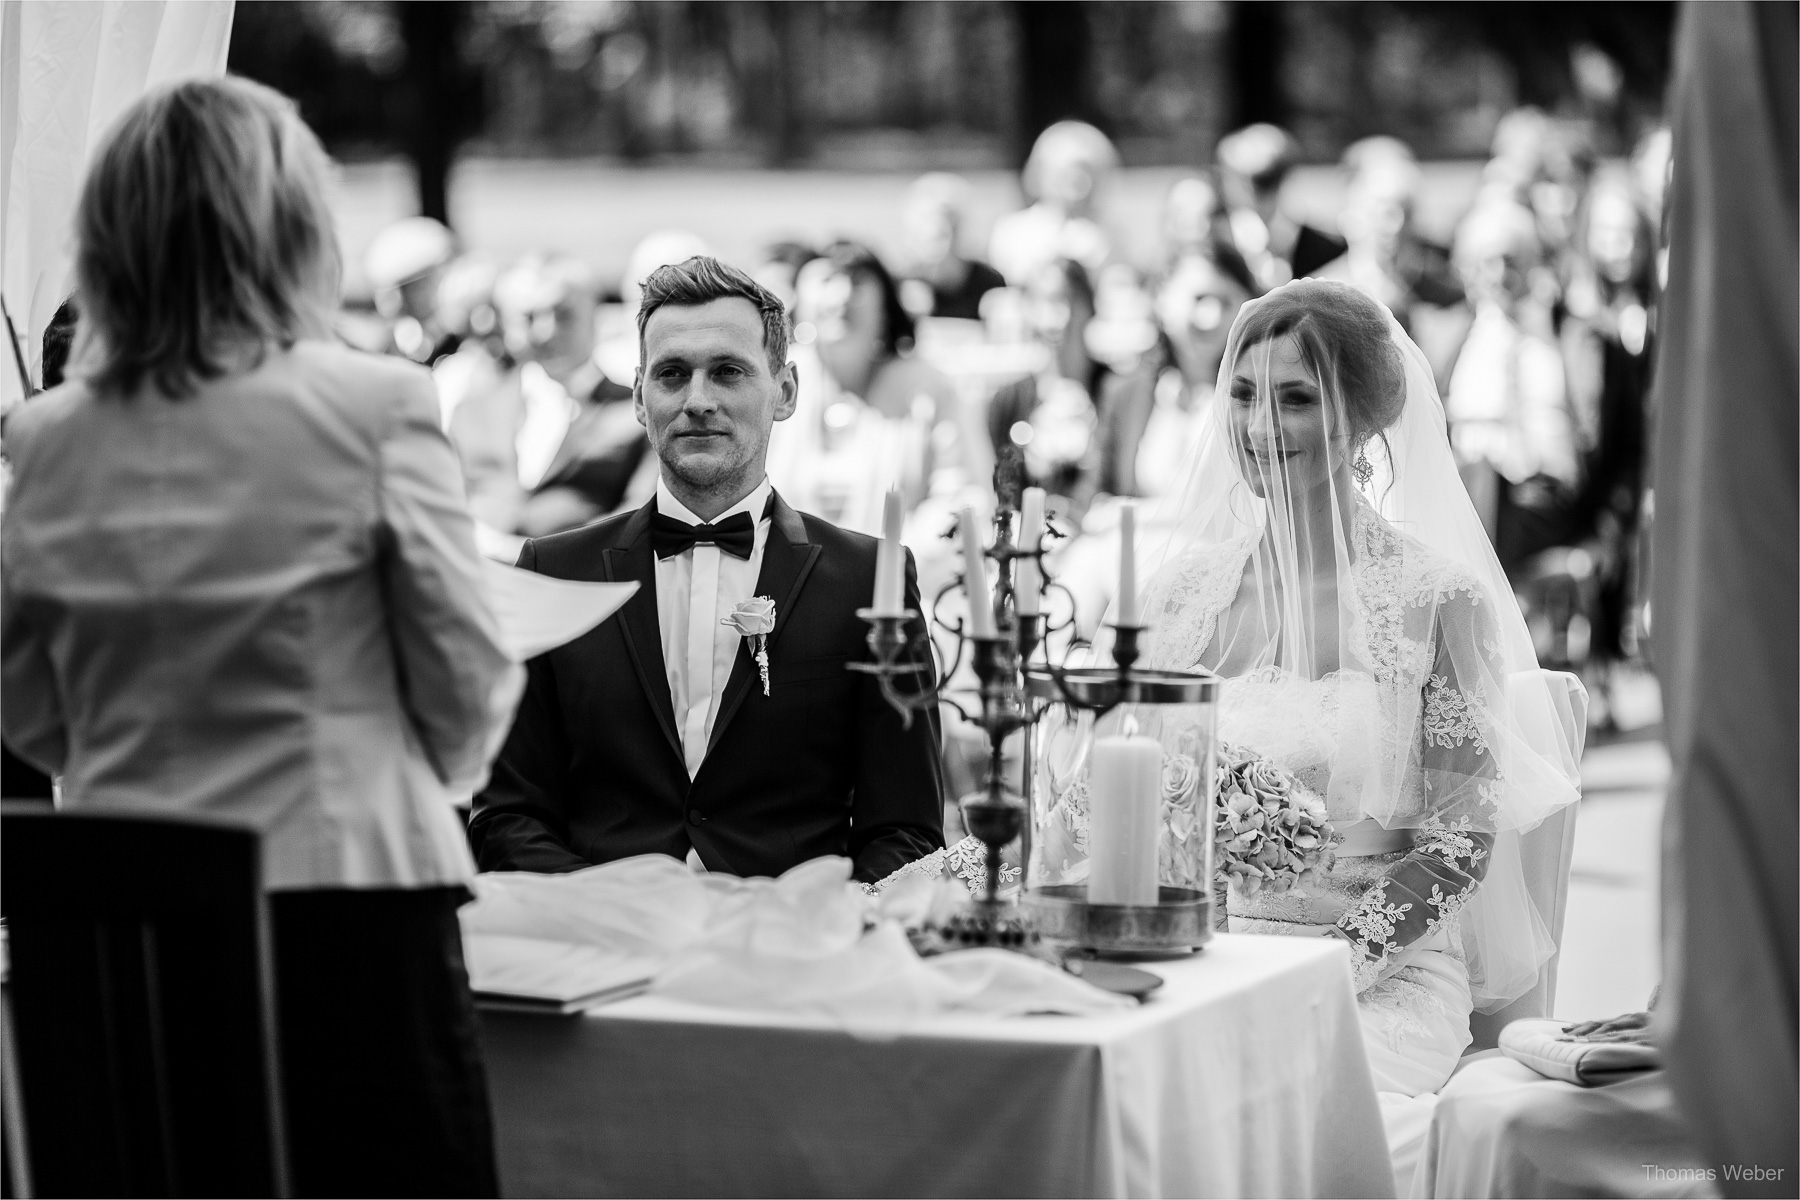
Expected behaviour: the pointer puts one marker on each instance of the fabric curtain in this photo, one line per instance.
(1723, 615)
(67, 69)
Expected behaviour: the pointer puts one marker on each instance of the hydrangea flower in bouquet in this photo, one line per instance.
(1269, 829)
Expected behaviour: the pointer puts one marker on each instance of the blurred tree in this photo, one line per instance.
(1256, 42)
(934, 83)
(440, 96)
(1053, 55)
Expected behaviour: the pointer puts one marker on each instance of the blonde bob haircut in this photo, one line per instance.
(202, 238)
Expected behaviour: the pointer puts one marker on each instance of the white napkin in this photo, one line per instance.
(811, 942)
(800, 945)
(539, 613)
(648, 906)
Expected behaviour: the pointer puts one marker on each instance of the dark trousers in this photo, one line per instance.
(382, 1073)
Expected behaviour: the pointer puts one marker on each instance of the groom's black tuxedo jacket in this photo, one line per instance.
(593, 771)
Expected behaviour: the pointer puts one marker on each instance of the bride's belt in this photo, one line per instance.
(1364, 839)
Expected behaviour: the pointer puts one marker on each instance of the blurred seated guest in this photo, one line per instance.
(404, 264)
(1049, 414)
(554, 443)
(1544, 163)
(1511, 426)
(618, 347)
(1194, 223)
(663, 248)
(653, 734)
(1608, 347)
(59, 342)
(1150, 418)
(1386, 257)
(869, 410)
(240, 581)
(466, 308)
(1254, 163)
(936, 280)
(779, 271)
(1066, 177)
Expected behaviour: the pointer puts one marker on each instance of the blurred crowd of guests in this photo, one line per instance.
(922, 370)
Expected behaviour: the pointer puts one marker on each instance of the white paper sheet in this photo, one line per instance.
(538, 613)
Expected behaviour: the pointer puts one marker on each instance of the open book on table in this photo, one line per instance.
(537, 975)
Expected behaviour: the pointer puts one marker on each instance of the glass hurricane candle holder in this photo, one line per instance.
(1124, 764)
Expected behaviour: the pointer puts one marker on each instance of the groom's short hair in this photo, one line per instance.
(701, 280)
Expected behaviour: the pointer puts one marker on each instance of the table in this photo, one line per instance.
(1243, 1076)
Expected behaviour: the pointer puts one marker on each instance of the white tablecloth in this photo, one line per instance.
(1243, 1076)
(1501, 1129)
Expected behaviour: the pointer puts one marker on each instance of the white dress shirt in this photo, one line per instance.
(694, 591)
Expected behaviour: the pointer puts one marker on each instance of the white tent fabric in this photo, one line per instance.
(67, 68)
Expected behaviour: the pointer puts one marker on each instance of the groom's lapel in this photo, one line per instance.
(634, 560)
(788, 559)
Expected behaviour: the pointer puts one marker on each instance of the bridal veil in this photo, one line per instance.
(1324, 546)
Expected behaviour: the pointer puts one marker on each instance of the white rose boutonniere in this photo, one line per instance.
(755, 619)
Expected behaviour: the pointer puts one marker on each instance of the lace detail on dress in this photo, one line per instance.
(1449, 719)
(966, 861)
(1373, 921)
(1454, 843)
(1403, 1007)
(1393, 574)
(1185, 610)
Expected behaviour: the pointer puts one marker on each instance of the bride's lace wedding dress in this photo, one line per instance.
(1324, 558)
(1398, 883)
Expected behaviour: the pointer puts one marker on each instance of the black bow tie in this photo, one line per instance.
(735, 535)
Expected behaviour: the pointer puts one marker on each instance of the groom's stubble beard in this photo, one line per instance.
(721, 479)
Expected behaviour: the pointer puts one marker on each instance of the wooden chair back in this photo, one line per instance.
(140, 1005)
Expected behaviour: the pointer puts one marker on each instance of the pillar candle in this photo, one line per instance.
(1125, 782)
(1028, 579)
(890, 561)
(975, 580)
(1129, 611)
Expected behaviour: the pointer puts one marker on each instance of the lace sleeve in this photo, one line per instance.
(1460, 777)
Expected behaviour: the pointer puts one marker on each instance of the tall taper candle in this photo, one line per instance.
(1027, 578)
(1130, 611)
(1125, 784)
(975, 580)
(890, 561)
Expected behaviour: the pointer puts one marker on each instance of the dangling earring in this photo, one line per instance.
(1362, 468)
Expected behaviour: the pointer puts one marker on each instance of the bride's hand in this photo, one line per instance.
(1631, 1027)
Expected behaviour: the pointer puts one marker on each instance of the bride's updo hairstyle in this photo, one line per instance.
(1344, 341)
(203, 238)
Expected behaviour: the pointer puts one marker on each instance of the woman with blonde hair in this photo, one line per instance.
(239, 581)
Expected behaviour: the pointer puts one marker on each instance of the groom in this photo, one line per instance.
(657, 733)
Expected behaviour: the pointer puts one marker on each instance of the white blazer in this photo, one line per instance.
(261, 602)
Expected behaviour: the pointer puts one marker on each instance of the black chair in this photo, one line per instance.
(141, 1006)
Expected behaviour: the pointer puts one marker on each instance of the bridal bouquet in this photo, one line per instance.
(1269, 830)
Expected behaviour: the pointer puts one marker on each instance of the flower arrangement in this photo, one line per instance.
(1269, 830)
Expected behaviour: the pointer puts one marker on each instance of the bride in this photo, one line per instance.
(1326, 560)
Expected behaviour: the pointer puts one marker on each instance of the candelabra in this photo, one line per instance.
(996, 816)
(1013, 692)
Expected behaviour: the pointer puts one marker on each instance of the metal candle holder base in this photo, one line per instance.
(1179, 923)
